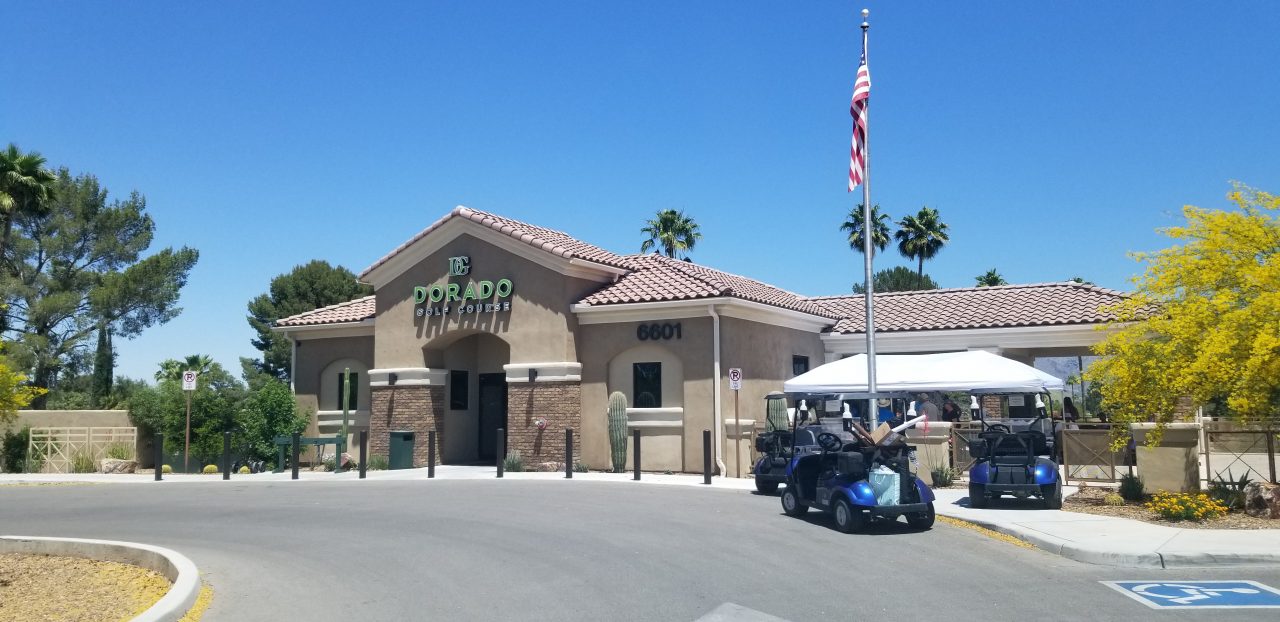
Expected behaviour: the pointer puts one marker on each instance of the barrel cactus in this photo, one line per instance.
(775, 412)
(618, 431)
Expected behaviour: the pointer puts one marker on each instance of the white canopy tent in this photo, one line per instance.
(972, 372)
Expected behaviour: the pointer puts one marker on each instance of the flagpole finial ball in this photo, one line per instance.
(865, 13)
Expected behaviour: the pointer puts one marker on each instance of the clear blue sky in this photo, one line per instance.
(1053, 137)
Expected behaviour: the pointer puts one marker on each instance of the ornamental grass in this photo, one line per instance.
(1185, 506)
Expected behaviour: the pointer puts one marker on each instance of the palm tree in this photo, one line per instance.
(880, 231)
(674, 232)
(920, 237)
(990, 279)
(26, 186)
(171, 369)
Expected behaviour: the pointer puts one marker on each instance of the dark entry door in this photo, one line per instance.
(493, 413)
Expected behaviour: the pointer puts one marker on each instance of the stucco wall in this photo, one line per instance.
(313, 357)
(69, 419)
(539, 327)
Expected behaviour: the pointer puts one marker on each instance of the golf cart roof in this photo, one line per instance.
(973, 372)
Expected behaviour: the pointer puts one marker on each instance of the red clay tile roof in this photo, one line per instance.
(350, 311)
(1040, 304)
(550, 240)
(659, 278)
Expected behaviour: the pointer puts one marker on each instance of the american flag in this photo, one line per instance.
(858, 108)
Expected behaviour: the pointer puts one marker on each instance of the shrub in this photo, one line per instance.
(1229, 492)
(579, 467)
(13, 450)
(166, 469)
(119, 451)
(513, 463)
(330, 464)
(1113, 499)
(210, 469)
(1131, 487)
(82, 462)
(943, 476)
(244, 470)
(1185, 506)
(378, 462)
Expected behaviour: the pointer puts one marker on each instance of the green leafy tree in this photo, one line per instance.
(880, 230)
(1203, 321)
(171, 369)
(80, 265)
(215, 404)
(305, 288)
(270, 411)
(897, 279)
(991, 278)
(1076, 279)
(921, 236)
(674, 232)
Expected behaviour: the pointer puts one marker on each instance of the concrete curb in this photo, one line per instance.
(180, 571)
(1070, 550)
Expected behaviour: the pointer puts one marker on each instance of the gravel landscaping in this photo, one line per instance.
(1089, 501)
(48, 588)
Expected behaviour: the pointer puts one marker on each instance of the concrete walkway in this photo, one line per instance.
(1087, 538)
(1111, 541)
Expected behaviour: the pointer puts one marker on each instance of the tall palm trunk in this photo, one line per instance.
(920, 272)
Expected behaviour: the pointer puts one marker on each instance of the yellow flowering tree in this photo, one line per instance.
(1204, 320)
(15, 394)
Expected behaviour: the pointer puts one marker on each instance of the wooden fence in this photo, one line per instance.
(78, 450)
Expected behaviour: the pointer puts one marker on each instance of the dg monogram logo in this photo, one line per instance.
(459, 266)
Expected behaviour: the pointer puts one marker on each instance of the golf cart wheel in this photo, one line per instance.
(1052, 495)
(977, 496)
(766, 488)
(921, 520)
(791, 505)
(848, 520)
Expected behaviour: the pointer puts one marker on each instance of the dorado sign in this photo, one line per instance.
(474, 297)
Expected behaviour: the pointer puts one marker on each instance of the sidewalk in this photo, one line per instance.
(1118, 542)
(1086, 538)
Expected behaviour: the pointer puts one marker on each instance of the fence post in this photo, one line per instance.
(159, 456)
(297, 448)
(706, 457)
(226, 455)
(568, 453)
(635, 446)
(431, 453)
(500, 450)
(364, 452)
(279, 458)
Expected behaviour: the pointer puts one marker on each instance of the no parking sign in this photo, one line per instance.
(735, 378)
(189, 380)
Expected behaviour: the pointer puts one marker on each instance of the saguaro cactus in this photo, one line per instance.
(775, 411)
(618, 431)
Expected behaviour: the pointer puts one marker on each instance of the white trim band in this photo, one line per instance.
(563, 371)
(408, 377)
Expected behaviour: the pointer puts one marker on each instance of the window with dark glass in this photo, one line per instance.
(799, 365)
(458, 386)
(352, 398)
(647, 385)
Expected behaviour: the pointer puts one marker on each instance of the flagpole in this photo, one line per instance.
(868, 233)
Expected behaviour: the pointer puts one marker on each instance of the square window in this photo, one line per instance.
(459, 385)
(354, 395)
(646, 385)
(799, 365)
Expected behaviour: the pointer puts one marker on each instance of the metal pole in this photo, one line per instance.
(635, 446)
(737, 437)
(1271, 452)
(868, 232)
(159, 456)
(431, 453)
(279, 459)
(501, 451)
(186, 452)
(226, 455)
(568, 453)
(346, 405)
(364, 452)
(706, 457)
(297, 449)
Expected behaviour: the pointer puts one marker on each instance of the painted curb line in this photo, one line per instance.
(176, 567)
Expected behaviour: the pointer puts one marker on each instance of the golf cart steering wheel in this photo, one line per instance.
(999, 427)
(829, 442)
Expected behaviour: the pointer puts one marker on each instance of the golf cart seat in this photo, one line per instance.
(852, 463)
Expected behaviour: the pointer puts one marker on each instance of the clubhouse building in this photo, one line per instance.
(481, 323)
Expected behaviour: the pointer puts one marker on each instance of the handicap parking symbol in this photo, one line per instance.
(1199, 594)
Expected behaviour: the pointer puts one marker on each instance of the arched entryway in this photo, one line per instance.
(475, 405)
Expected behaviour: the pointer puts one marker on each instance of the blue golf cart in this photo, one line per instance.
(1015, 457)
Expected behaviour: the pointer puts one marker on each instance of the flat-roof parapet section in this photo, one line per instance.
(407, 377)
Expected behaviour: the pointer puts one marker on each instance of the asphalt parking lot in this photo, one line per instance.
(573, 550)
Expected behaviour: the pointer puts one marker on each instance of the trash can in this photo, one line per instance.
(400, 450)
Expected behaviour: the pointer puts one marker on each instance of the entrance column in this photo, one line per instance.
(548, 392)
(406, 399)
